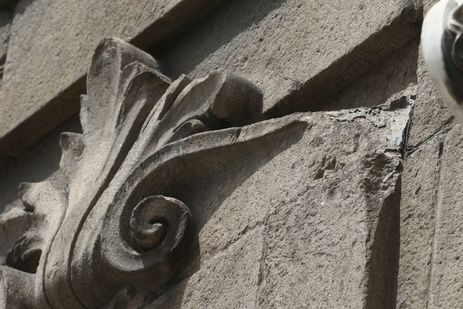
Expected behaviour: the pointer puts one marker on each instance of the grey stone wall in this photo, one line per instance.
(360, 210)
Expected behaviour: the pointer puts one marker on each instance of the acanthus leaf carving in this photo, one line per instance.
(124, 224)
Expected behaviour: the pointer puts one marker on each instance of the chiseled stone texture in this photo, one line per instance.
(51, 45)
(229, 279)
(429, 267)
(299, 52)
(312, 223)
(420, 182)
(392, 80)
(446, 279)
(430, 114)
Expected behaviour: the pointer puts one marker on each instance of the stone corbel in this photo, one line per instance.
(118, 224)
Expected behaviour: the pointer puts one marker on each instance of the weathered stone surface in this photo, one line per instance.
(299, 52)
(319, 248)
(393, 80)
(50, 48)
(430, 114)
(322, 210)
(445, 287)
(420, 183)
(429, 275)
(230, 279)
(430, 246)
(332, 239)
(114, 225)
(152, 152)
(288, 213)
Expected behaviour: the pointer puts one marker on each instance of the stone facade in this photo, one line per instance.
(225, 154)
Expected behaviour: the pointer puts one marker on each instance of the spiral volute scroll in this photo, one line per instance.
(124, 226)
(158, 222)
(153, 237)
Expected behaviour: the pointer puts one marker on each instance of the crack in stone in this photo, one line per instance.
(437, 215)
(445, 128)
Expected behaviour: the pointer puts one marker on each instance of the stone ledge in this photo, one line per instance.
(300, 53)
(45, 68)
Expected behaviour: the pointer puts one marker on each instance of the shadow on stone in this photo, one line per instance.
(231, 17)
(204, 182)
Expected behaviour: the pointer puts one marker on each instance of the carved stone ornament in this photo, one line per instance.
(117, 223)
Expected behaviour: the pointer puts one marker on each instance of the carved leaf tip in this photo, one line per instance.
(121, 221)
(238, 100)
(114, 65)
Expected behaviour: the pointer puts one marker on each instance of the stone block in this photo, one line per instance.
(228, 280)
(420, 182)
(311, 219)
(446, 277)
(430, 114)
(393, 80)
(50, 49)
(332, 240)
(301, 53)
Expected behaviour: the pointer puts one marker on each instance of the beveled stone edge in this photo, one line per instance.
(49, 115)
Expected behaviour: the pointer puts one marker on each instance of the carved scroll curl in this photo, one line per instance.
(124, 227)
